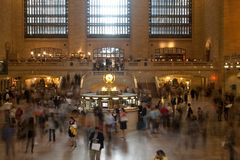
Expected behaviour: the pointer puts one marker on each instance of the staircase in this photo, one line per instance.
(149, 87)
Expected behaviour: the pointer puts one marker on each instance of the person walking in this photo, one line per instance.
(115, 115)
(51, 123)
(160, 155)
(72, 132)
(109, 121)
(30, 134)
(8, 133)
(219, 108)
(230, 141)
(96, 140)
(123, 122)
(143, 115)
(154, 118)
(189, 112)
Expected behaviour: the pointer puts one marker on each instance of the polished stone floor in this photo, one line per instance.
(139, 145)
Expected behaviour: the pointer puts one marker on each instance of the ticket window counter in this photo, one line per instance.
(110, 104)
(91, 100)
(89, 104)
(129, 102)
(115, 102)
(104, 104)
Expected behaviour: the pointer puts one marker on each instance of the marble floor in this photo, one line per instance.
(139, 145)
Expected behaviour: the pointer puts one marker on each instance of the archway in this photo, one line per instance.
(108, 59)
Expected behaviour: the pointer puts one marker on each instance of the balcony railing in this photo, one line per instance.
(65, 64)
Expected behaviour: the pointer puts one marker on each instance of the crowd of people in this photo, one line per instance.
(36, 118)
(108, 64)
(38, 115)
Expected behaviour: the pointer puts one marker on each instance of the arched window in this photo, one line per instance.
(170, 18)
(108, 18)
(46, 18)
(108, 59)
(47, 53)
(169, 54)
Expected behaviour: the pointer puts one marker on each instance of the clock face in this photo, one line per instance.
(109, 78)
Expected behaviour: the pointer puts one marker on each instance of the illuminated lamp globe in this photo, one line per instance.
(109, 78)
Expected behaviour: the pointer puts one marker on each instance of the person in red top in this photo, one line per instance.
(19, 113)
(165, 116)
(164, 110)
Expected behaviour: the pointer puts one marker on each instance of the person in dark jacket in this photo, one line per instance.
(230, 140)
(96, 140)
(30, 134)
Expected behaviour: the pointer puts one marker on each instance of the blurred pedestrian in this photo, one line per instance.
(31, 133)
(96, 143)
(194, 131)
(123, 122)
(52, 125)
(72, 132)
(109, 121)
(8, 133)
(230, 141)
(160, 155)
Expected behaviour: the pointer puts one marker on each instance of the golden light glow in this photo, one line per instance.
(108, 78)
(104, 88)
(213, 77)
(168, 78)
(208, 44)
(171, 44)
(167, 45)
(115, 98)
(114, 89)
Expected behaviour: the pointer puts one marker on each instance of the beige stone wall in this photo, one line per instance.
(77, 26)
(139, 30)
(17, 29)
(231, 27)
(5, 29)
(213, 27)
(212, 35)
(197, 29)
(231, 43)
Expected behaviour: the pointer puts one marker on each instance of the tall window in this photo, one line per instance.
(108, 18)
(171, 18)
(46, 18)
